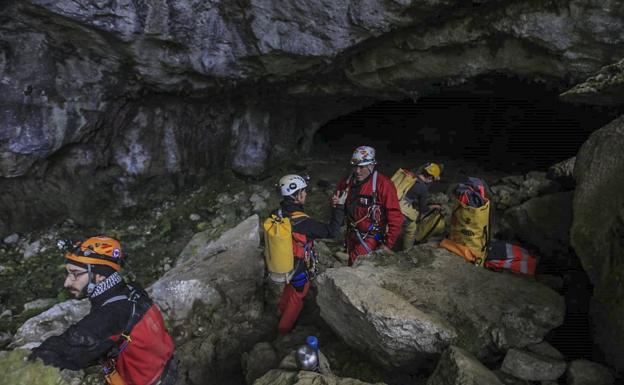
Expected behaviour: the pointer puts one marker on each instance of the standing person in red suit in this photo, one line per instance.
(293, 189)
(372, 213)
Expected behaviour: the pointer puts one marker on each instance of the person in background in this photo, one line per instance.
(372, 213)
(417, 199)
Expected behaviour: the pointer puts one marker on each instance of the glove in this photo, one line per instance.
(339, 198)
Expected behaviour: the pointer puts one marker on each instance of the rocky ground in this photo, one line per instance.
(186, 239)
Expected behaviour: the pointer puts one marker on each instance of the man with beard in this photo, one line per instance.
(124, 331)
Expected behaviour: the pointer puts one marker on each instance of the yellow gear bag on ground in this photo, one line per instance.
(278, 242)
(404, 180)
(432, 224)
(470, 226)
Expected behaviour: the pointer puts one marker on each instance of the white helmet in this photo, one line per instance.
(291, 183)
(363, 156)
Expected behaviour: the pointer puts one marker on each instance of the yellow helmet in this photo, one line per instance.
(433, 169)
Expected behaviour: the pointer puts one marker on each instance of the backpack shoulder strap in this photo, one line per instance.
(298, 217)
(298, 214)
(114, 299)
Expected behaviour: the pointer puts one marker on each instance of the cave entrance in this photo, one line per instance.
(500, 123)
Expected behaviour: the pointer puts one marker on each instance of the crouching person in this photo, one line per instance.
(124, 331)
(304, 231)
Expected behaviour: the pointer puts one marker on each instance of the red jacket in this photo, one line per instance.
(359, 200)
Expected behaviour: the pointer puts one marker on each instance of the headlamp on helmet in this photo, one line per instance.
(100, 250)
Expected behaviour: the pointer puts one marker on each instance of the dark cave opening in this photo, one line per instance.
(501, 123)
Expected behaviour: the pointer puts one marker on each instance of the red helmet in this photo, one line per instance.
(98, 250)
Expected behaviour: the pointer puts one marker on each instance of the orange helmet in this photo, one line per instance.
(98, 250)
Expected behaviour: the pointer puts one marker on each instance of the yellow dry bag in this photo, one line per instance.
(404, 180)
(278, 242)
(431, 224)
(470, 227)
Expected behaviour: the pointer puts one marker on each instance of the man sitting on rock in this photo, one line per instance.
(124, 331)
(415, 206)
(304, 231)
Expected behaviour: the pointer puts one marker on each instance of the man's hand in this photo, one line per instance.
(339, 198)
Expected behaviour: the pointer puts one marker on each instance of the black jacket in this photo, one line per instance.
(86, 342)
(312, 228)
(418, 195)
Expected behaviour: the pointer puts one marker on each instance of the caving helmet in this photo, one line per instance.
(291, 183)
(99, 251)
(363, 156)
(433, 169)
(99, 255)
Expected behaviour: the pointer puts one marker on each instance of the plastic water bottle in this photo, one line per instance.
(308, 355)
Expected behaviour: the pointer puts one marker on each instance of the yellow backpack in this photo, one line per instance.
(278, 244)
(431, 224)
(470, 227)
(404, 180)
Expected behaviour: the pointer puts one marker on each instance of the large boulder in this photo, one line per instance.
(533, 366)
(51, 322)
(375, 320)
(543, 222)
(212, 295)
(489, 312)
(212, 272)
(457, 366)
(597, 232)
(583, 372)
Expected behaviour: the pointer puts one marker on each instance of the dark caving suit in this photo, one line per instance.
(417, 196)
(373, 218)
(305, 230)
(145, 360)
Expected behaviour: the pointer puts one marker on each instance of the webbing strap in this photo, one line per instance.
(359, 236)
(114, 299)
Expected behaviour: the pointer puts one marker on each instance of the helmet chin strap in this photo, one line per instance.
(88, 290)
